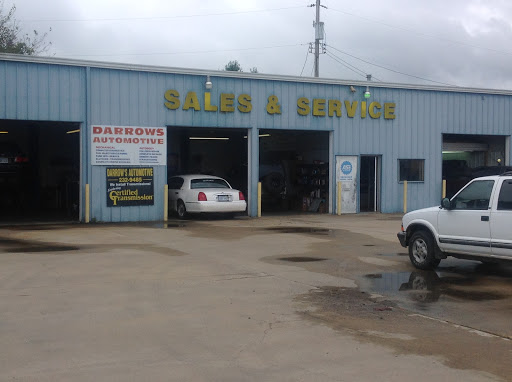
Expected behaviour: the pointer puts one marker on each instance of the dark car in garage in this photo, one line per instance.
(14, 177)
(12, 160)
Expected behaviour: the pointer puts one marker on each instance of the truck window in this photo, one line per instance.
(505, 198)
(476, 196)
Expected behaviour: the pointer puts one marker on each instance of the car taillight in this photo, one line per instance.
(201, 197)
(240, 196)
(402, 227)
(20, 159)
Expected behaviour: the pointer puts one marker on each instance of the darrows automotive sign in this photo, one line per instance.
(128, 145)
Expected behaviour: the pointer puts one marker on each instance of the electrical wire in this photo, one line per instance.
(356, 71)
(346, 64)
(176, 53)
(391, 70)
(152, 18)
(307, 54)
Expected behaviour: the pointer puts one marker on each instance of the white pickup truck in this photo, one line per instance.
(475, 224)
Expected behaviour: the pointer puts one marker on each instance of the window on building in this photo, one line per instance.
(411, 170)
(505, 198)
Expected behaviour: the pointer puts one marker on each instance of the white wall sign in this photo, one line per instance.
(346, 173)
(128, 145)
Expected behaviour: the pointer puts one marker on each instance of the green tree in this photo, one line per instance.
(233, 66)
(14, 40)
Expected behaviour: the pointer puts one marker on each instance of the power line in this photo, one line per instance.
(152, 18)
(346, 64)
(307, 54)
(176, 53)
(421, 33)
(391, 70)
(350, 67)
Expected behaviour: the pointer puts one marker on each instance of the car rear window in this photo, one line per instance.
(208, 183)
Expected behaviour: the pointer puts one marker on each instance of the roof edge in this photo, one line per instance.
(251, 76)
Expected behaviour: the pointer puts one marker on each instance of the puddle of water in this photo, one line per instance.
(43, 226)
(170, 225)
(48, 227)
(20, 246)
(429, 286)
(43, 248)
(392, 254)
(374, 276)
(6, 241)
(299, 259)
(311, 230)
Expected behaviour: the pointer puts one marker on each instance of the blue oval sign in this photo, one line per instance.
(346, 167)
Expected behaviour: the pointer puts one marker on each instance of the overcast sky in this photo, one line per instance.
(454, 42)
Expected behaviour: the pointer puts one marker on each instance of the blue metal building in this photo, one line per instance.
(401, 132)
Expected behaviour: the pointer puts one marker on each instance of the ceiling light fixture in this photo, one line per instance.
(4, 132)
(261, 135)
(208, 138)
(72, 131)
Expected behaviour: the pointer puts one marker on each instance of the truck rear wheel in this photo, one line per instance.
(421, 251)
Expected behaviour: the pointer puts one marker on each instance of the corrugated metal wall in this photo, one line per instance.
(30, 91)
(118, 96)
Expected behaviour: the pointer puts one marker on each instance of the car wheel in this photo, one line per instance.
(181, 210)
(421, 251)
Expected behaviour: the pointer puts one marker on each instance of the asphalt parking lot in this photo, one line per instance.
(281, 298)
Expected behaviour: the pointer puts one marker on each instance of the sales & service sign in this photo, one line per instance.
(130, 186)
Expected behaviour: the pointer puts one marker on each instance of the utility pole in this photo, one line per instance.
(319, 35)
(317, 39)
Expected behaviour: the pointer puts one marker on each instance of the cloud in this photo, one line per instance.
(461, 42)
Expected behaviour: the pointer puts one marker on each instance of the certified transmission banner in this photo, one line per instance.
(128, 145)
(130, 186)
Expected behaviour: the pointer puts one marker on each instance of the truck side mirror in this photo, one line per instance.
(446, 204)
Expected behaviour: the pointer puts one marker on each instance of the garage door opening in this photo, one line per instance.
(466, 157)
(215, 151)
(294, 171)
(39, 171)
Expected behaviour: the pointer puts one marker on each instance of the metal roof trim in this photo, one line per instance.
(243, 75)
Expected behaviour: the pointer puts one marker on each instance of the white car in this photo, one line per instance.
(204, 194)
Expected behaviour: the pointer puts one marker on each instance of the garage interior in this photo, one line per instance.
(294, 171)
(215, 151)
(39, 171)
(466, 157)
